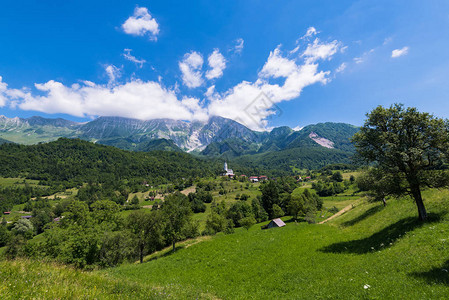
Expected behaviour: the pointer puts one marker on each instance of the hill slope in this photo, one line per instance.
(77, 161)
(370, 252)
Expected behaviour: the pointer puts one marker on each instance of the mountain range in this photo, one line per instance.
(218, 137)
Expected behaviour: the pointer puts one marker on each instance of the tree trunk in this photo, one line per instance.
(174, 242)
(416, 192)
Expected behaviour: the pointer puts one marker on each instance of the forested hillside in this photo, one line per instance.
(301, 158)
(72, 162)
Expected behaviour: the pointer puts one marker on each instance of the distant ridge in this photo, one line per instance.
(218, 137)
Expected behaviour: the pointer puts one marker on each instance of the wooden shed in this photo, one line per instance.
(275, 223)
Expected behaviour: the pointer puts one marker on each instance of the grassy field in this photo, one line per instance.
(369, 252)
(8, 182)
(26, 279)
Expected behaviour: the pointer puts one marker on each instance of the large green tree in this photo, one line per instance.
(176, 212)
(408, 147)
(147, 229)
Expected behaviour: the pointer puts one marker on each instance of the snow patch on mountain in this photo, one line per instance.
(321, 141)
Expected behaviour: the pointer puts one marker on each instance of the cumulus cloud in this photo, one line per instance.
(135, 99)
(127, 55)
(3, 89)
(211, 93)
(311, 31)
(141, 23)
(217, 62)
(238, 48)
(251, 103)
(399, 52)
(113, 73)
(318, 50)
(190, 68)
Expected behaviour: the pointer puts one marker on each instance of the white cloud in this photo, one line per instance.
(238, 48)
(217, 62)
(341, 68)
(298, 128)
(277, 66)
(113, 73)
(399, 52)
(210, 92)
(319, 50)
(190, 68)
(362, 58)
(127, 55)
(311, 31)
(3, 89)
(387, 41)
(141, 23)
(250, 103)
(358, 60)
(294, 50)
(136, 99)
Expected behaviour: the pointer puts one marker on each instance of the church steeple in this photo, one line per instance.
(225, 166)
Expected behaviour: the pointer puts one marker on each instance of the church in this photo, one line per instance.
(228, 172)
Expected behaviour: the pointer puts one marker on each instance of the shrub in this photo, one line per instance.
(247, 222)
(310, 217)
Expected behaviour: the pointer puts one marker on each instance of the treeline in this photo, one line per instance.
(279, 163)
(331, 183)
(96, 235)
(72, 162)
(10, 196)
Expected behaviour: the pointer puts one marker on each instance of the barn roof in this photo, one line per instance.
(278, 222)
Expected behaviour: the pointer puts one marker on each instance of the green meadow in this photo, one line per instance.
(370, 252)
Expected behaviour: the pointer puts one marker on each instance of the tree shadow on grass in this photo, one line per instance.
(363, 216)
(438, 275)
(382, 239)
(166, 253)
(292, 220)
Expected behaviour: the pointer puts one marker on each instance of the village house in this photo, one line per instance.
(263, 178)
(254, 179)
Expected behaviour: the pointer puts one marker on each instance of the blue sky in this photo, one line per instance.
(262, 63)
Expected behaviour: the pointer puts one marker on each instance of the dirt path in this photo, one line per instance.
(345, 209)
(189, 190)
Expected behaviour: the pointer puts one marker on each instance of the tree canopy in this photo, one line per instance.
(406, 146)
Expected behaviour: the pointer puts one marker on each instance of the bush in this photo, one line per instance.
(310, 217)
(277, 211)
(247, 222)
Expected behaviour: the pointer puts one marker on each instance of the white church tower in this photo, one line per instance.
(228, 172)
